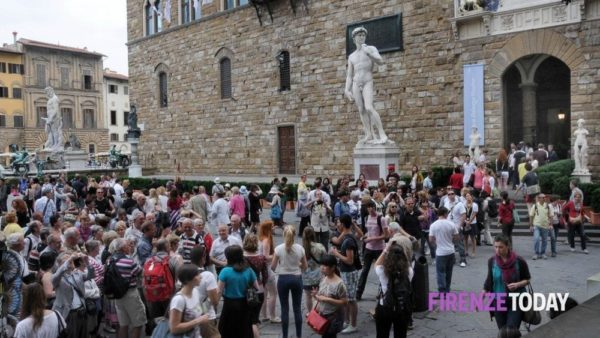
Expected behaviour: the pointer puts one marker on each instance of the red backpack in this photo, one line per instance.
(159, 285)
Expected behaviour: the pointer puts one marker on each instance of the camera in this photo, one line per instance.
(77, 262)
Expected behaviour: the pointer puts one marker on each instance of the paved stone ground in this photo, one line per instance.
(565, 273)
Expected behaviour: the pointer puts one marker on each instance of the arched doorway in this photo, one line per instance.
(537, 102)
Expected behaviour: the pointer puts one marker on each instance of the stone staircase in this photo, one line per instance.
(522, 228)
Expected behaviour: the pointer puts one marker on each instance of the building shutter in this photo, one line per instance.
(225, 67)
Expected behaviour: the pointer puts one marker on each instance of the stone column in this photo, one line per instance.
(528, 90)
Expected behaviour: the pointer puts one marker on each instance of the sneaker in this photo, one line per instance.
(358, 297)
(109, 329)
(572, 249)
(586, 251)
(349, 329)
(553, 254)
(275, 320)
(463, 264)
(544, 257)
(534, 257)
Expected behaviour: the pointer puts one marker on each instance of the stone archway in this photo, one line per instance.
(532, 48)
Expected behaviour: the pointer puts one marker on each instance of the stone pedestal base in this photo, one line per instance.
(135, 171)
(53, 160)
(583, 177)
(593, 286)
(75, 159)
(373, 161)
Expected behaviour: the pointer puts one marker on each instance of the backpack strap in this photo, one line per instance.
(379, 224)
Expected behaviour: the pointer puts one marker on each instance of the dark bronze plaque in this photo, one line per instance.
(385, 33)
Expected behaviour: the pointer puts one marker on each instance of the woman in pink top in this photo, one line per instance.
(237, 205)
(479, 173)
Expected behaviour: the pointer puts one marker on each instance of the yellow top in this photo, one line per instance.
(540, 214)
(12, 228)
(522, 171)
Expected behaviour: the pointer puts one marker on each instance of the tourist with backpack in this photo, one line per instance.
(186, 314)
(120, 281)
(394, 303)
(349, 265)
(159, 279)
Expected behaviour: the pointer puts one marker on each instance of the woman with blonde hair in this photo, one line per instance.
(154, 200)
(290, 261)
(120, 228)
(266, 248)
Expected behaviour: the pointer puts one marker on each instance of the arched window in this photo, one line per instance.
(225, 68)
(283, 58)
(153, 17)
(163, 89)
(190, 10)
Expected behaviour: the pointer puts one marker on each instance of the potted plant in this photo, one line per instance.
(595, 214)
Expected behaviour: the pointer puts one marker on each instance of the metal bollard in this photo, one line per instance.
(420, 284)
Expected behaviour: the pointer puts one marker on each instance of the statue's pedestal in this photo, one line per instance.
(53, 159)
(372, 160)
(75, 159)
(583, 177)
(135, 169)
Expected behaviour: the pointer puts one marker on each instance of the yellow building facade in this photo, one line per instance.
(12, 107)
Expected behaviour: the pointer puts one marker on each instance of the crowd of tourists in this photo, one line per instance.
(93, 258)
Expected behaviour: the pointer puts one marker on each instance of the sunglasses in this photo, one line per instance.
(450, 193)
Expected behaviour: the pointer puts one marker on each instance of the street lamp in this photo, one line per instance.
(561, 116)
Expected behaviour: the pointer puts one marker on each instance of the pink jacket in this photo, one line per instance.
(237, 206)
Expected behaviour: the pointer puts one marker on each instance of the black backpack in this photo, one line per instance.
(398, 296)
(492, 208)
(115, 285)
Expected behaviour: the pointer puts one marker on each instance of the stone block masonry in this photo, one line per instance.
(418, 91)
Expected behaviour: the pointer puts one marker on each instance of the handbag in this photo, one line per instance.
(62, 332)
(533, 189)
(252, 296)
(91, 307)
(516, 217)
(276, 211)
(531, 316)
(317, 322)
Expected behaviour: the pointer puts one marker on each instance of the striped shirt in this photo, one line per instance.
(98, 271)
(186, 244)
(129, 269)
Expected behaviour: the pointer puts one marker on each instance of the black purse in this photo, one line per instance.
(531, 317)
(252, 296)
(90, 306)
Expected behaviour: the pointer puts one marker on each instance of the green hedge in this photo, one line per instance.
(144, 183)
(588, 190)
(564, 167)
(441, 176)
(547, 179)
(561, 187)
(595, 204)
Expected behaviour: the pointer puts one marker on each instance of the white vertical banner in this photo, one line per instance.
(167, 11)
(473, 102)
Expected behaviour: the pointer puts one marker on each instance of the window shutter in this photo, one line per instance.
(163, 89)
(284, 71)
(225, 66)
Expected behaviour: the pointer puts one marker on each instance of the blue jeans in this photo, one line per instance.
(460, 247)
(553, 234)
(443, 269)
(508, 318)
(285, 284)
(425, 240)
(540, 235)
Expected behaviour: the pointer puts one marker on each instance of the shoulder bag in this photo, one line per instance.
(531, 317)
(316, 321)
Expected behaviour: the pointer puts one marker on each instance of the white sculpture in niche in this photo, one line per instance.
(580, 148)
(359, 87)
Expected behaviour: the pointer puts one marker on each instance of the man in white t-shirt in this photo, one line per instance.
(468, 170)
(443, 234)
(457, 214)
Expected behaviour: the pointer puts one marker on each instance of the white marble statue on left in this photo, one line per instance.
(53, 120)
